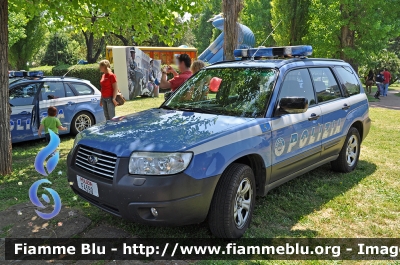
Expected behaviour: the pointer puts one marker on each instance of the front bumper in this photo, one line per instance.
(179, 199)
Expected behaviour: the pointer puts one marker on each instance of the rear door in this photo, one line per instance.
(22, 100)
(57, 94)
(296, 138)
(334, 106)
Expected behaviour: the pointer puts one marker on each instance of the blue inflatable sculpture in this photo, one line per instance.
(215, 52)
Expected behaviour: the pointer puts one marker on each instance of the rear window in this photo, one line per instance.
(82, 89)
(350, 81)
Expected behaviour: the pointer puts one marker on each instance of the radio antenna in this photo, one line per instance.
(70, 69)
(252, 58)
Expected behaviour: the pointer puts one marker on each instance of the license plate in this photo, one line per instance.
(88, 186)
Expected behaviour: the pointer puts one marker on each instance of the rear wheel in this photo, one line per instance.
(81, 121)
(350, 153)
(233, 202)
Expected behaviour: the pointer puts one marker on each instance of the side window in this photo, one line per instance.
(349, 80)
(82, 89)
(325, 84)
(68, 91)
(23, 95)
(298, 83)
(52, 90)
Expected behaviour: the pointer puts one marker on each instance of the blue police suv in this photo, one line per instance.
(30, 95)
(233, 131)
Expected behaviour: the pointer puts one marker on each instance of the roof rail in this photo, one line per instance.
(273, 52)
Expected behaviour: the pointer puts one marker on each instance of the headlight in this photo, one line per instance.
(149, 163)
(78, 137)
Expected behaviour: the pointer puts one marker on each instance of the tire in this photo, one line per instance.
(223, 220)
(81, 121)
(350, 153)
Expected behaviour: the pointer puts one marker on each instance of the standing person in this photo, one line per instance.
(184, 63)
(197, 66)
(386, 83)
(379, 84)
(51, 122)
(109, 90)
(369, 81)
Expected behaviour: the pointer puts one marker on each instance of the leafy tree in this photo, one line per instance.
(22, 51)
(203, 30)
(294, 15)
(256, 15)
(352, 30)
(16, 27)
(61, 49)
(377, 62)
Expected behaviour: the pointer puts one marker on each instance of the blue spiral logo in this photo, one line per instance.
(49, 151)
(35, 200)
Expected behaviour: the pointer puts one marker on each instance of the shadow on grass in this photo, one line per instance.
(276, 214)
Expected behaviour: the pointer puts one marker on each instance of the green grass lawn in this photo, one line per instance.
(322, 203)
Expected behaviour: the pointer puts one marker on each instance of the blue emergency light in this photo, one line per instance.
(25, 74)
(270, 52)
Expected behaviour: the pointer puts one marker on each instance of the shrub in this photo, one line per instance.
(47, 70)
(88, 71)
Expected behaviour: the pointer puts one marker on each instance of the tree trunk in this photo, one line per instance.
(5, 110)
(347, 42)
(231, 10)
(89, 40)
(124, 40)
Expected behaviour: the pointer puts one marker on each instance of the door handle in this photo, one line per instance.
(346, 107)
(313, 117)
(25, 113)
(71, 103)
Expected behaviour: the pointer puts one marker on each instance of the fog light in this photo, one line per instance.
(154, 212)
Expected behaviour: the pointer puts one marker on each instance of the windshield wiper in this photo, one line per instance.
(167, 107)
(200, 110)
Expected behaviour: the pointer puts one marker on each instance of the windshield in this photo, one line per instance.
(241, 92)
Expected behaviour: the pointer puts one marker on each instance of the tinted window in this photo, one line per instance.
(349, 80)
(82, 89)
(325, 84)
(52, 90)
(23, 95)
(298, 83)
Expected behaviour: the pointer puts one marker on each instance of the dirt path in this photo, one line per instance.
(390, 102)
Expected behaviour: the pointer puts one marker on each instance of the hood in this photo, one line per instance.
(157, 130)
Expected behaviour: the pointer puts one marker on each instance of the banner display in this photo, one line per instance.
(132, 67)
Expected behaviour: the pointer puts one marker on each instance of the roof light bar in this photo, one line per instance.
(25, 74)
(285, 51)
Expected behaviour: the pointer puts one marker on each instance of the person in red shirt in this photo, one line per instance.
(184, 63)
(109, 90)
(386, 83)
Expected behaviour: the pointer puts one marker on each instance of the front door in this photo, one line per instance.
(54, 94)
(296, 138)
(22, 100)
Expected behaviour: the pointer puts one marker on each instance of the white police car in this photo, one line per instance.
(31, 94)
(209, 154)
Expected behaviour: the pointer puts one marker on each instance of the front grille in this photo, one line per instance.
(105, 165)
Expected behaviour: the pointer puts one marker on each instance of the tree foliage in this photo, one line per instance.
(204, 31)
(256, 15)
(16, 26)
(294, 15)
(23, 50)
(352, 30)
(61, 49)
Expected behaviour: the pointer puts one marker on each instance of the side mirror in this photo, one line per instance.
(167, 95)
(292, 105)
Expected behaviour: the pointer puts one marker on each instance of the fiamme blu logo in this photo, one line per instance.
(50, 152)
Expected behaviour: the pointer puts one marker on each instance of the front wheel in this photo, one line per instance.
(233, 202)
(350, 153)
(81, 121)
